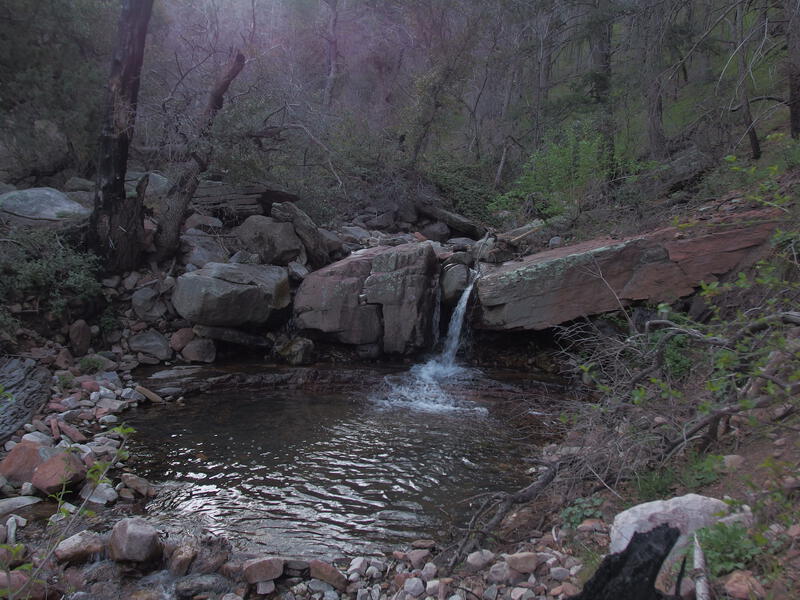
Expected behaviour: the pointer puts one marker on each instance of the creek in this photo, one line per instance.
(325, 473)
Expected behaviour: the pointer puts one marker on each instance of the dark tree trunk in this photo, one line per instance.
(178, 199)
(333, 52)
(793, 64)
(601, 88)
(116, 225)
(747, 115)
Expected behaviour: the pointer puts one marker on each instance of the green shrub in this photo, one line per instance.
(727, 547)
(462, 185)
(43, 267)
(580, 510)
(655, 485)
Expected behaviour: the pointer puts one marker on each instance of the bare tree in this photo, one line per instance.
(792, 15)
(116, 224)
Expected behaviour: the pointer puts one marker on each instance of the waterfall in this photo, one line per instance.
(421, 388)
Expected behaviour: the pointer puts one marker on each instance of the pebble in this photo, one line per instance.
(414, 586)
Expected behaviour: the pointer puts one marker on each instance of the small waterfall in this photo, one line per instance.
(421, 387)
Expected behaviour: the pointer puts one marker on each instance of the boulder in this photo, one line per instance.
(19, 465)
(231, 295)
(28, 148)
(78, 184)
(455, 279)
(180, 338)
(12, 505)
(200, 248)
(58, 472)
(263, 569)
(329, 301)
(80, 547)
(454, 221)
(209, 585)
(234, 203)
(134, 540)
(307, 231)
(151, 343)
(80, 337)
(276, 243)
(358, 235)
(27, 384)
(41, 208)
(157, 184)
(333, 244)
(404, 281)
(232, 336)
(298, 351)
(328, 573)
(200, 350)
(562, 284)
(147, 305)
(438, 232)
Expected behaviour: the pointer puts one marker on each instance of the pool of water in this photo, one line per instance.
(310, 474)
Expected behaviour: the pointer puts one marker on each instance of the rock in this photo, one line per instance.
(19, 465)
(200, 350)
(234, 203)
(207, 586)
(157, 184)
(134, 539)
(455, 279)
(559, 573)
(265, 587)
(404, 281)
(180, 338)
(100, 494)
(555, 242)
(27, 384)
(276, 243)
(328, 301)
(562, 284)
(200, 248)
(242, 257)
(58, 472)
(18, 582)
(452, 220)
(80, 547)
(37, 437)
(297, 272)
(147, 305)
(202, 222)
(306, 229)
(333, 244)
(524, 562)
(78, 184)
(741, 585)
(231, 295)
(40, 208)
(263, 569)
(139, 485)
(328, 573)
(298, 351)
(732, 462)
(500, 572)
(152, 343)
(567, 589)
(438, 232)
(12, 505)
(479, 559)
(418, 558)
(358, 565)
(688, 513)
(80, 337)
(359, 235)
(414, 586)
(181, 559)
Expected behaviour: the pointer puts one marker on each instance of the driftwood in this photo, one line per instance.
(631, 574)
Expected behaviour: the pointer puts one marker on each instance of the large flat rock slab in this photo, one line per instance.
(553, 287)
(26, 386)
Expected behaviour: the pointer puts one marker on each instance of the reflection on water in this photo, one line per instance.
(303, 474)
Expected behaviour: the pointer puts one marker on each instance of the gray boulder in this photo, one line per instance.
(78, 184)
(453, 220)
(275, 243)
(438, 232)
(306, 229)
(40, 207)
(151, 343)
(455, 278)
(148, 305)
(231, 295)
(134, 540)
(157, 184)
(200, 350)
(200, 248)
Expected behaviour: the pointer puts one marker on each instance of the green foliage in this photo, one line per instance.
(462, 184)
(90, 364)
(655, 485)
(556, 176)
(45, 270)
(700, 470)
(727, 547)
(580, 510)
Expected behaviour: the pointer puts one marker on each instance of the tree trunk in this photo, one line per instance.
(793, 64)
(169, 226)
(747, 116)
(116, 229)
(601, 89)
(333, 53)
(653, 22)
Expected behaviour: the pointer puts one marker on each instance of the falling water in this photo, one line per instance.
(422, 387)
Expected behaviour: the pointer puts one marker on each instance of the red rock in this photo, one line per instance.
(55, 407)
(263, 569)
(328, 573)
(418, 558)
(180, 338)
(134, 539)
(54, 429)
(741, 585)
(200, 350)
(16, 581)
(90, 386)
(71, 432)
(58, 472)
(551, 287)
(63, 359)
(19, 465)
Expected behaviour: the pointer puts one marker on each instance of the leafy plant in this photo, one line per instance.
(580, 510)
(700, 470)
(90, 364)
(655, 485)
(727, 547)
